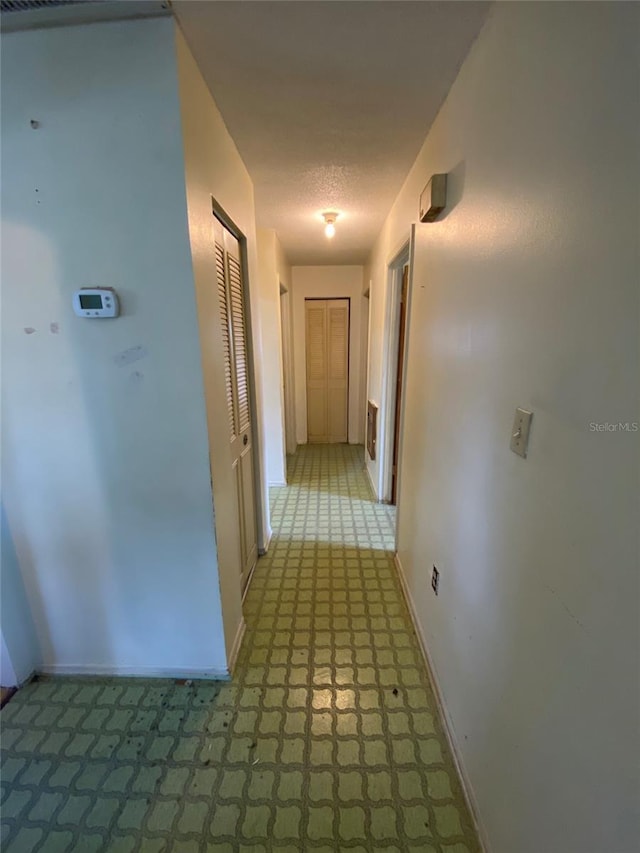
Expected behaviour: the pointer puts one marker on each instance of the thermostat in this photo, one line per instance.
(96, 302)
(433, 198)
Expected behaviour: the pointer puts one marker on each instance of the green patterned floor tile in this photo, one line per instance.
(327, 738)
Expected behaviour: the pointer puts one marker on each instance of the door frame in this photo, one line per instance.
(287, 372)
(221, 214)
(390, 367)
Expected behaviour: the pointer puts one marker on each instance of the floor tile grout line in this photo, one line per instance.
(328, 588)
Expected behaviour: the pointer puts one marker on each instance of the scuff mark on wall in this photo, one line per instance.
(136, 378)
(564, 606)
(55, 328)
(129, 356)
(29, 330)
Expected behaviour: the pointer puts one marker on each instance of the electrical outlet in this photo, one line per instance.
(435, 580)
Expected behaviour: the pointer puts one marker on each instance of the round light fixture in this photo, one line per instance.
(329, 219)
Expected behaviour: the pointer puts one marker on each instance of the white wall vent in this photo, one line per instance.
(24, 5)
(31, 14)
(433, 198)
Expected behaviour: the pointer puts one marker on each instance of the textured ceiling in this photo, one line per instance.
(329, 104)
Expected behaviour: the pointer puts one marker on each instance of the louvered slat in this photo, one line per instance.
(338, 331)
(316, 355)
(226, 338)
(239, 341)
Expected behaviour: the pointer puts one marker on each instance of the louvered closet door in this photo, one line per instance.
(317, 421)
(327, 340)
(234, 333)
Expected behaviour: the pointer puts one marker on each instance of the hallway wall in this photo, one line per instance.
(104, 437)
(214, 169)
(330, 282)
(273, 270)
(21, 655)
(528, 296)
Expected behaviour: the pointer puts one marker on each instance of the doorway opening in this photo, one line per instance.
(393, 379)
(327, 370)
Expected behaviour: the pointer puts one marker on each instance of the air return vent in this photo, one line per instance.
(29, 14)
(26, 5)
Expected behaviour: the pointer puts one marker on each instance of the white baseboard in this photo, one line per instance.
(235, 649)
(373, 488)
(20, 682)
(276, 483)
(27, 679)
(249, 579)
(469, 795)
(267, 541)
(108, 671)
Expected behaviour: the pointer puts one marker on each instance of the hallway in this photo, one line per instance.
(334, 142)
(327, 738)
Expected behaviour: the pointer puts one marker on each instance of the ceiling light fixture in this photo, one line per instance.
(330, 228)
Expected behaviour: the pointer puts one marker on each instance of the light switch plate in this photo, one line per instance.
(520, 432)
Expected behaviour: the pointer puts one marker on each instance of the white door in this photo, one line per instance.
(327, 342)
(234, 332)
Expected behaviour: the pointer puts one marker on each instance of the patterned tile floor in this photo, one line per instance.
(327, 738)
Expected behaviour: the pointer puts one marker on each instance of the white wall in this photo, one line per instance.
(104, 446)
(329, 282)
(527, 295)
(273, 270)
(213, 168)
(8, 677)
(21, 655)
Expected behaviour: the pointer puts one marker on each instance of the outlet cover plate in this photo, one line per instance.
(520, 432)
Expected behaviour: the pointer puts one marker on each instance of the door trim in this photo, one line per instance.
(263, 535)
(287, 368)
(399, 385)
(390, 363)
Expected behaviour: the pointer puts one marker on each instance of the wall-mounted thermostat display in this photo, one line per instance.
(96, 302)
